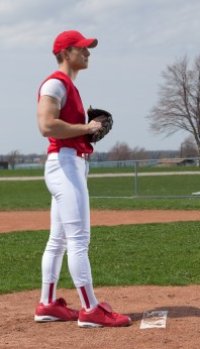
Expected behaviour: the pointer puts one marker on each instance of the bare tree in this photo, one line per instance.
(188, 148)
(139, 154)
(178, 107)
(120, 151)
(13, 158)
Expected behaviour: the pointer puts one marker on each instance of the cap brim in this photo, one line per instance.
(90, 43)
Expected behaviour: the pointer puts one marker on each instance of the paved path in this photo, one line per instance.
(100, 175)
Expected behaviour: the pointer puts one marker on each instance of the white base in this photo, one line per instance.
(154, 319)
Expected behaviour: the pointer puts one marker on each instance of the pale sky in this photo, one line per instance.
(137, 40)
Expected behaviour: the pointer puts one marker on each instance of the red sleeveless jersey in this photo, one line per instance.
(73, 113)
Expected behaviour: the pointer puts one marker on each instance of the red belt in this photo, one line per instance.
(83, 155)
(54, 155)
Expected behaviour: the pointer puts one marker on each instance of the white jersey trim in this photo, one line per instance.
(55, 88)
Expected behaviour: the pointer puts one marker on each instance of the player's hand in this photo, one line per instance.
(94, 126)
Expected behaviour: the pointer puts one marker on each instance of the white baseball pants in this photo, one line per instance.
(66, 180)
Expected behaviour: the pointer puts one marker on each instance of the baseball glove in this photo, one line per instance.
(106, 124)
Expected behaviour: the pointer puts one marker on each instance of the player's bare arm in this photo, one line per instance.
(51, 126)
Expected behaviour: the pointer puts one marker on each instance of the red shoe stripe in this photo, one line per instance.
(86, 300)
(51, 286)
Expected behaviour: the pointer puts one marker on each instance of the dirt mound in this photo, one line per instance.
(18, 329)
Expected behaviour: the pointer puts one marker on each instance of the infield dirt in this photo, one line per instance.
(36, 220)
(18, 330)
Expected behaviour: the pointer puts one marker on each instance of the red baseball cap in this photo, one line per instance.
(72, 38)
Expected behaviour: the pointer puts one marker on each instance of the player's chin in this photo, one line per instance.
(82, 68)
(84, 65)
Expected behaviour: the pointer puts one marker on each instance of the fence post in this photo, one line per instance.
(136, 178)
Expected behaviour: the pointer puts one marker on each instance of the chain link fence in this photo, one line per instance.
(157, 178)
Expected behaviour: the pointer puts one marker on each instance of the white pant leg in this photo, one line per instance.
(66, 180)
(52, 257)
(55, 248)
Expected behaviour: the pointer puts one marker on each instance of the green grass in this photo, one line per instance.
(141, 204)
(23, 195)
(151, 185)
(169, 185)
(160, 254)
(33, 195)
(120, 169)
(21, 172)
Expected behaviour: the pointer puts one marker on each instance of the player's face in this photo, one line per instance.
(78, 57)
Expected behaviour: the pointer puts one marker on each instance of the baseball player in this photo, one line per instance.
(61, 118)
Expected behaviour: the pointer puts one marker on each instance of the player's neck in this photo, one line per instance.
(68, 71)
